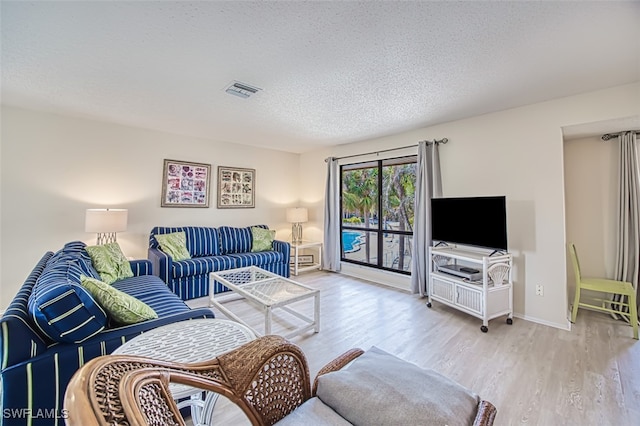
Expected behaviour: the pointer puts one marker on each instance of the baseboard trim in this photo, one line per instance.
(403, 282)
(561, 326)
(385, 278)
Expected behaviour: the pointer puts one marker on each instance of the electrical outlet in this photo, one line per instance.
(539, 290)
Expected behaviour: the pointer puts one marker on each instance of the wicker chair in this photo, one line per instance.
(133, 390)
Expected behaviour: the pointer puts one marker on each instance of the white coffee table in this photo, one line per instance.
(267, 291)
(187, 342)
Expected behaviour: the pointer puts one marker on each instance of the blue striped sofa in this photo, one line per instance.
(35, 368)
(212, 250)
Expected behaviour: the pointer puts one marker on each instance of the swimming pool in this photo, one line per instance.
(351, 240)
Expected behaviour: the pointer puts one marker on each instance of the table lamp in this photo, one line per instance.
(296, 216)
(106, 223)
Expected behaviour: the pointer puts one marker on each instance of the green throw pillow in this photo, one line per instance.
(123, 308)
(110, 263)
(175, 245)
(262, 239)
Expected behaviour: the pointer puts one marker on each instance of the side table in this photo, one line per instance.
(187, 342)
(300, 245)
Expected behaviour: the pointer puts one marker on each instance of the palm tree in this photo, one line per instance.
(360, 196)
(399, 195)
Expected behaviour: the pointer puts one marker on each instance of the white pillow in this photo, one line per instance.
(313, 412)
(381, 389)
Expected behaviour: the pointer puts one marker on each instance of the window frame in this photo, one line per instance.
(378, 231)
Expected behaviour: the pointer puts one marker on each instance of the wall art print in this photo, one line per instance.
(236, 188)
(185, 184)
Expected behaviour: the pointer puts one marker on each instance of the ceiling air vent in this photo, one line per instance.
(242, 90)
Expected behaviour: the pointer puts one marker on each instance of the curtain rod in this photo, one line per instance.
(436, 141)
(608, 136)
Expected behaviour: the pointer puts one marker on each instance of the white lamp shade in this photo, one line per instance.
(297, 215)
(106, 220)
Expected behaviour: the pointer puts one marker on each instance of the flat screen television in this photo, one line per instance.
(472, 221)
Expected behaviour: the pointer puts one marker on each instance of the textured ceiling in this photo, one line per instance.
(331, 72)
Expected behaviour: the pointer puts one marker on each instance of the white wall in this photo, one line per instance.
(54, 167)
(591, 188)
(518, 153)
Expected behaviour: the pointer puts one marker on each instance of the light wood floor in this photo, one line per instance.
(533, 374)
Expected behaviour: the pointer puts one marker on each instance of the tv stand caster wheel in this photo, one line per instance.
(509, 321)
(484, 328)
(429, 304)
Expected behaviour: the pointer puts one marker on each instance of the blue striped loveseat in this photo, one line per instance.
(35, 368)
(212, 250)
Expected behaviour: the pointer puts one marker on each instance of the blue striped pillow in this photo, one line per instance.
(201, 241)
(75, 251)
(236, 240)
(61, 308)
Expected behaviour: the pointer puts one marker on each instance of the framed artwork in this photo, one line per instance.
(236, 188)
(185, 184)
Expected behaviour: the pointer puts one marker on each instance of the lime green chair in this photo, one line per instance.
(604, 285)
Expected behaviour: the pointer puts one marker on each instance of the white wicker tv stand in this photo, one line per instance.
(483, 299)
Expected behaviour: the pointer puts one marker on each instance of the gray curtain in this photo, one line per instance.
(331, 252)
(628, 222)
(428, 185)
